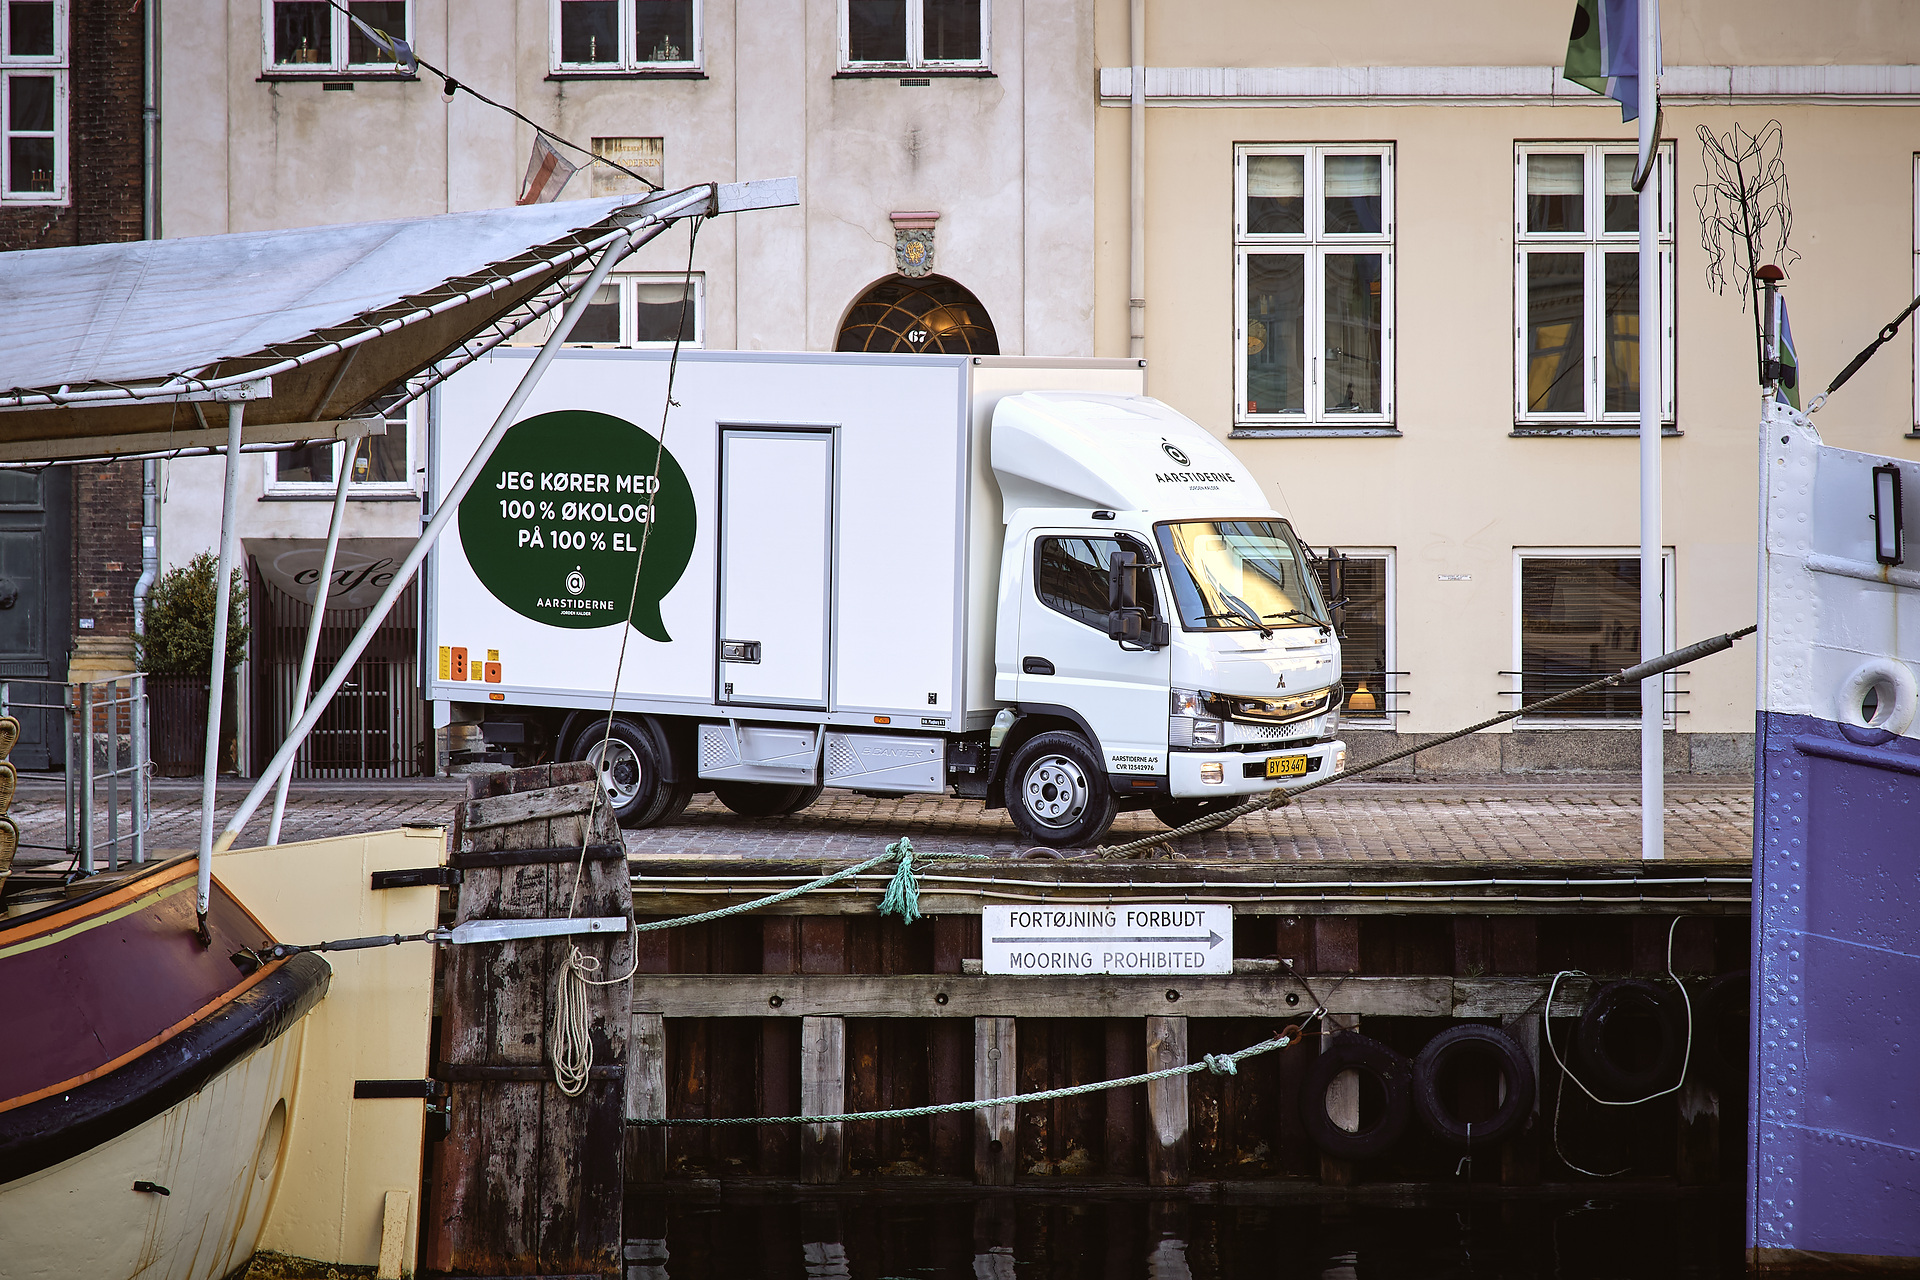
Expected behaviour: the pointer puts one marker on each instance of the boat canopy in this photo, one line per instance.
(118, 347)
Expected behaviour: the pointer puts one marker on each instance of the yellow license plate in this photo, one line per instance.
(1286, 766)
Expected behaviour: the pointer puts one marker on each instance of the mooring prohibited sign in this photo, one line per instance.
(1141, 937)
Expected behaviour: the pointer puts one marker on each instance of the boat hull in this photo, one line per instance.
(218, 1154)
(147, 1081)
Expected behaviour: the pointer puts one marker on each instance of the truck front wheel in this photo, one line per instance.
(623, 756)
(1057, 792)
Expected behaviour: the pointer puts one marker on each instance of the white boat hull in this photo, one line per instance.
(218, 1153)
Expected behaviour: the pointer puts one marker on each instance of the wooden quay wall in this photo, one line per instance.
(820, 1006)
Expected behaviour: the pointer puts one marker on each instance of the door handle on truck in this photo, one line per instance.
(1036, 667)
(739, 651)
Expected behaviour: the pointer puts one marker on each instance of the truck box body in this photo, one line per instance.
(845, 520)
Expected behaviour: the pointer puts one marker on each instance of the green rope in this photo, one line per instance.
(1223, 1064)
(903, 891)
(903, 894)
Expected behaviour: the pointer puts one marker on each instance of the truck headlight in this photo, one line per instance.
(1188, 721)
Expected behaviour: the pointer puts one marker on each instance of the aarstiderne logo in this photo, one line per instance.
(1173, 452)
(576, 582)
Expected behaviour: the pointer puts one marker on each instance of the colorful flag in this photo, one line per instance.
(547, 173)
(393, 46)
(1787, 387)
(1603, 51)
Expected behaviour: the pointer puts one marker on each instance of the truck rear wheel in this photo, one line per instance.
(764, 799)
(623, 756)
(1057, 792)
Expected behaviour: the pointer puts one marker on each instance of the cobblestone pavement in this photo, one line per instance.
(1472, 819)
(313, 810)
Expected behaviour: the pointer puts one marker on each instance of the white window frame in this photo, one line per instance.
(404, 425)
(55, 65)
(1594, 244)
(339, 66)
(1391, 650)
(629, 63)
(916, 59)
(1314, 244)
(628, 283)
(1667, 572)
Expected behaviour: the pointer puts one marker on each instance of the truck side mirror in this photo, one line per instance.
(1123, 580)
(1124, 625)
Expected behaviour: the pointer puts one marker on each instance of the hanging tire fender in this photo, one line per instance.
(1392, 1073)
(1471, 1040)
(1628, 1011)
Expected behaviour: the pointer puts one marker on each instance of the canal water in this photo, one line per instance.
(1660, 1237)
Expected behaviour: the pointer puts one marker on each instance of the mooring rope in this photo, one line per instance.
(1220, 1064)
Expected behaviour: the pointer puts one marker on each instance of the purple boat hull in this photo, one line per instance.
(1836, 1023)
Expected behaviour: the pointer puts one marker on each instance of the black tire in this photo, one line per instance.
(758, 799)
(804, 800)
(1490, 1044)
(1057, 791)
(1630, 1040)
(1720, 1031)
(1178, 813)
(625, 758)
(1390, 1072)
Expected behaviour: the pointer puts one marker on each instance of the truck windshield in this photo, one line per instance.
(1232, 575)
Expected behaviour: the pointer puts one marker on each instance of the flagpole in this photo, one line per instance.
(1652, 614)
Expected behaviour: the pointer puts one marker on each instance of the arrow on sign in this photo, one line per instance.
(1210, 938)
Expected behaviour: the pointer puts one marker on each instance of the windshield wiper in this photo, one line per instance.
(1305, 617)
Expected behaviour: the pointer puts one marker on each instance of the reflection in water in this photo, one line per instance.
(1672, 1236)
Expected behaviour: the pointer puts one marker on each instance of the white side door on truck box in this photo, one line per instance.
(1067, 660)
(776, 566)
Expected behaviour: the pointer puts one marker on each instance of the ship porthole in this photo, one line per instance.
(1877, 702)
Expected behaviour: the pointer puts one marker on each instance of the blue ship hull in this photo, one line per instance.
(1835, 1135)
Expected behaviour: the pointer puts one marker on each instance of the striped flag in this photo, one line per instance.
(1787, 389)
(547, 173)
(393, 46)
(1603, 51)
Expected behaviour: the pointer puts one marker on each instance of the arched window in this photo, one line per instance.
(932, 313)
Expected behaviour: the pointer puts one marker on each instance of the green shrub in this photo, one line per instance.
(178, 640)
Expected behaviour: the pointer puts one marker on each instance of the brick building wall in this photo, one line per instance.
(105, 40)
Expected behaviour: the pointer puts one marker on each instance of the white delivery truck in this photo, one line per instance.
(1019, 580)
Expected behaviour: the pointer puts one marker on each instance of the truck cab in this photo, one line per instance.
(1162, 641)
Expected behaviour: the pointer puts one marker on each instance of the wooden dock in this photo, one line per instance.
(820, 1005)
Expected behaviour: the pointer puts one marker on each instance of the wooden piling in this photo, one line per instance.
(647, 1098)
(995, 1072)
(529, 1179)
(823, 1092)
(1520, 1154)
(1696, 1157)
(1168, 1156)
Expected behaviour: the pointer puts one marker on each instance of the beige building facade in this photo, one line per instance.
(1392, 261)
(944, 150)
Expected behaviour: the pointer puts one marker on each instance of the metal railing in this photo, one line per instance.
(107, 736)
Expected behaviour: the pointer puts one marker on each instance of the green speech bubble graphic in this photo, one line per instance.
(556, 521)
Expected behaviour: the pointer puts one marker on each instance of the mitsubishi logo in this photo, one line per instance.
(1282, 684)
(1174, 453)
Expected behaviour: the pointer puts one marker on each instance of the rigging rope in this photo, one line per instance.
(1220, 1064)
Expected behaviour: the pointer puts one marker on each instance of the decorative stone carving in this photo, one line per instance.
(913, 242)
